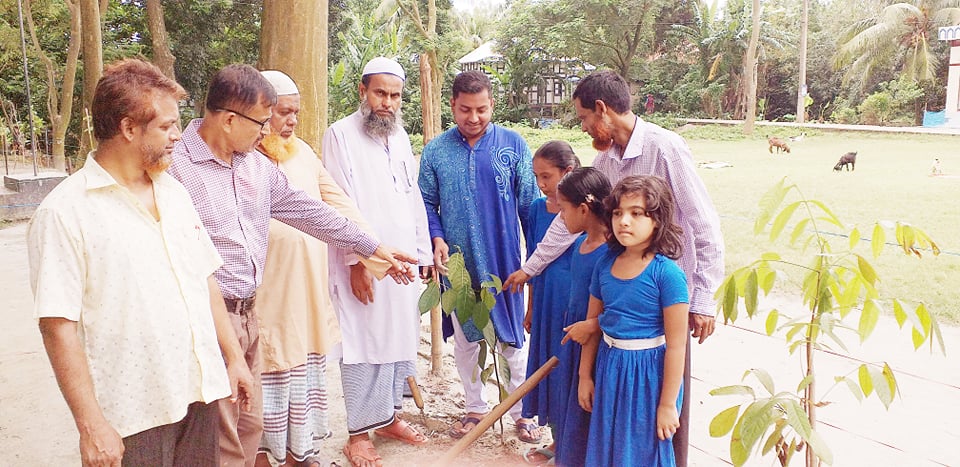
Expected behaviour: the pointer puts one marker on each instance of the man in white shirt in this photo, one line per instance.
(122, 272)
(368, 153)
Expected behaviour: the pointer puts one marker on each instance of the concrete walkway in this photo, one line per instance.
(835, 126)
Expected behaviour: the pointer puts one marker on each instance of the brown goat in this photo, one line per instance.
(779, 144)
(848, 160)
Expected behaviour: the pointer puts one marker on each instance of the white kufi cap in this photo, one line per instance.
(282, 83)
(384, 65)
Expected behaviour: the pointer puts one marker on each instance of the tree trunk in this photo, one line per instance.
(802, 88)
(92, 59)
(59, 104)
(293, 39)
(162, 56)
(426, 98)
(750, 71)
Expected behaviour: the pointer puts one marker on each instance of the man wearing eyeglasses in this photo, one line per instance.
(236, 191)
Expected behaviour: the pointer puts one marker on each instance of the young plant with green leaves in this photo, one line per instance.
(839, 286)
(471, 303)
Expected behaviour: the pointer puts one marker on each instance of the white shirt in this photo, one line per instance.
(381, 179)
(137, 288)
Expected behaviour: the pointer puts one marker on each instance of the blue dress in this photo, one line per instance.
(623, 428)
(550, 292)
(476, 198)
(571, 429)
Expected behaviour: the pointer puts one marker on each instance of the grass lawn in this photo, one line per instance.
(891, 182)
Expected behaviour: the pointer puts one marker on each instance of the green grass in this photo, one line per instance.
(891, 182)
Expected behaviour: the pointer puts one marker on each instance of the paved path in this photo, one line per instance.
(920, 429)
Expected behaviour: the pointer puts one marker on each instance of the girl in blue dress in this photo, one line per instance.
(639, 302)
(548, 291)
(580, 195)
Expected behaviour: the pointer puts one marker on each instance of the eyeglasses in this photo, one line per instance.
(258, 122)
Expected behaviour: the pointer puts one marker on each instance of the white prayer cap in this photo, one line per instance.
(282, 83)
(384, 65)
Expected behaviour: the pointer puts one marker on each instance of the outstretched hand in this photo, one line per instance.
(400, 269)
(515, 281)
(581, 331)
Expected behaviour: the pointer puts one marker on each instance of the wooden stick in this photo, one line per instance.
(498, 411)
(436, 341)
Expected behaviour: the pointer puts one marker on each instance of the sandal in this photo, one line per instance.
(526, 430)
(467, 420)
(402, 431)
(538, 456)
(362, 451)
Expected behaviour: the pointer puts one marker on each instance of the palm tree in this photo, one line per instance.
(902, 35)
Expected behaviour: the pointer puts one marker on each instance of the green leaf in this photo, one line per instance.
(767, 277)
(798, 230)
(781, 220)
(756, 420)
(723, 422)
(486, 374)
(879, 237)
(448, 301)
(866, 382)
(770, 256)
(918, 338)
(482, 357)
(775, 437)
(768, 203)
(796, 417)
(805, 382)
(899, 313)
(730, 301)
(738, 452)
(738, 389)
(854, 237)
(481, 317)
(750, 293)
(488, 299)
(493, 282)
(820, 448)
(866, 270)
(430, 297)
(884, 384)
(854, 388)
(868, 319)
(771, 324)
(764, 379)
(831, 217)
(457, 272)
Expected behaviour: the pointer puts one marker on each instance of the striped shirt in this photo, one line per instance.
(653, 150)
(236, 203)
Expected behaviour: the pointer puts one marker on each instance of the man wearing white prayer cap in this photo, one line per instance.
(368, 153)
(298, 326)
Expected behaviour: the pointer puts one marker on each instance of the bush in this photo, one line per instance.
(844, 115)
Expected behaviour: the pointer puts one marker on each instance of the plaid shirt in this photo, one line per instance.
(236, 204)
(655, 151)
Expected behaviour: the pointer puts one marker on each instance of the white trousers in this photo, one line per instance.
(465, 354)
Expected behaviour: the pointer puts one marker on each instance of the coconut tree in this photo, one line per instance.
(902, 35)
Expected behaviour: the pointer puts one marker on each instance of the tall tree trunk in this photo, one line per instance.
(92, 58)
(802, 88)
(426, 98)
(429, 89)
(750, 71)
(293, 39)
(59, 104)
(162, 56)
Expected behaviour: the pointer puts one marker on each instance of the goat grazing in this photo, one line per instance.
(848, 160)
(779, 144)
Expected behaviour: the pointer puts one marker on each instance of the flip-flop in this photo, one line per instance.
(547, 455)
(525, 432)
(364, 450)
(466, 420)
(402, 431)
(318, 462)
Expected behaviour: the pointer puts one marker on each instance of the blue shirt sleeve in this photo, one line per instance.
(595, 277)
(672, 283)
(430, 189)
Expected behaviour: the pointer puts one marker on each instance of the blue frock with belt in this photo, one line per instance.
(550, 294)
(623, 427)
(574, 423)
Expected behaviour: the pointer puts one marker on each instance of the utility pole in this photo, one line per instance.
(26, 81)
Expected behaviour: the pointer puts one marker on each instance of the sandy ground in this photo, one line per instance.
(920, 429)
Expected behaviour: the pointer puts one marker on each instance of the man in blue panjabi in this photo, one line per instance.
(478, 184)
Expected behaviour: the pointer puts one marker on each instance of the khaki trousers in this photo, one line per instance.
(240, 431)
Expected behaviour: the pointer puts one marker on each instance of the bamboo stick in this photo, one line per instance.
(498, 411)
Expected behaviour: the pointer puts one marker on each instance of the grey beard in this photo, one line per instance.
(377, 126)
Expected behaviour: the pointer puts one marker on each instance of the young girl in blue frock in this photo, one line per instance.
(639, 302)
(548, 292)
(580, 195)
